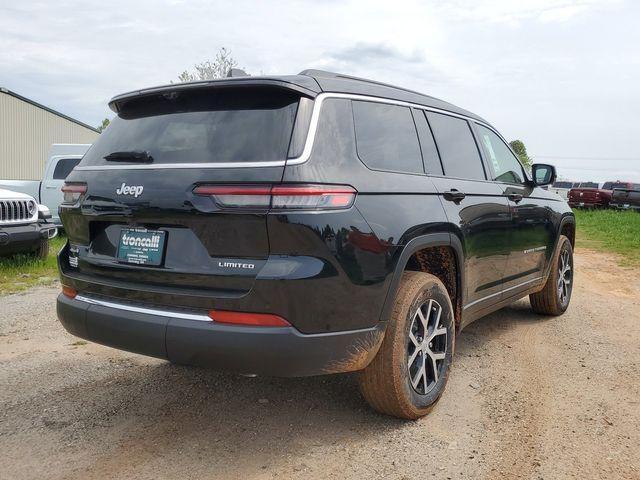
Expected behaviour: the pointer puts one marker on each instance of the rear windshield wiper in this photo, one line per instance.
(129, 156)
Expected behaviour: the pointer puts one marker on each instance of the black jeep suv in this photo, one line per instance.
(305, 225)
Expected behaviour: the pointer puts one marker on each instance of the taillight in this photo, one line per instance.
(69, 292)
(280, 197)
(316, 197)
(248, 319)
(237, 195)
(72, 192)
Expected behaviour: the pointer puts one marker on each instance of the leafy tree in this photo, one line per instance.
(210, 70)
(521, 151)
(105, 124)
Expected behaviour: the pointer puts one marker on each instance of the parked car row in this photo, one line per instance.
(623, 195)
(563, 187)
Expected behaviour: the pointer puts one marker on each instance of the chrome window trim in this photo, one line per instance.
(501, 292)
(308, 144)
(164, 166)
(145, 310)
(315, 116)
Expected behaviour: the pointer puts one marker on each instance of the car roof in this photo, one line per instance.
(336, 82)
(309, 83)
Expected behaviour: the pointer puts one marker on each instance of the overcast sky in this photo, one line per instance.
(562, 76)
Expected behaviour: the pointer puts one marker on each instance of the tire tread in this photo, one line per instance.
(546, 302)
(378, 385)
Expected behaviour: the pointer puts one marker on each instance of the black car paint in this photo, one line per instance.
(342, 266)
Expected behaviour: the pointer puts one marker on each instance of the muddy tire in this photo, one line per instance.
(555, 296)
(42, 252)
(409, 372)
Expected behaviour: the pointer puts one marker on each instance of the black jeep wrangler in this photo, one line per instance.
(306, 225)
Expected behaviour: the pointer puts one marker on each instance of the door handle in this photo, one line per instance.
(454, 195)
(514, 197)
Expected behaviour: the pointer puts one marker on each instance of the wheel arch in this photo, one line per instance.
(567, 228)
(415, 245)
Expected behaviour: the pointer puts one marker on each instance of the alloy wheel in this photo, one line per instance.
(565, 272)
(427, 347)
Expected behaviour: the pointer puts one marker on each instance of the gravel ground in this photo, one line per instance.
(528, 397)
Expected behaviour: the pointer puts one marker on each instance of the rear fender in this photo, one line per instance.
(442, 239)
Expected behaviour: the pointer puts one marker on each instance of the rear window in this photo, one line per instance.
(563, 185)
(64, 167)
(588, 185)
(386, 137)
(458, 150)
(204, 126)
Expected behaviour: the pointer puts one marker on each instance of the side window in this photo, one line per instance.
(386, 137)
(64, 167)
(430, 155)
(506, 166)
(457, 147)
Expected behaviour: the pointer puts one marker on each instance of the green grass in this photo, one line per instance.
(20, 272)
(612, 230)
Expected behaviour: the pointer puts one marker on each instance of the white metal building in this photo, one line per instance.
(27, 130)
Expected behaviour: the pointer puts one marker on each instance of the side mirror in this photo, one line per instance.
(43, 212)
(543, 174)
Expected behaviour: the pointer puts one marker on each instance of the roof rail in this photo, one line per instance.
(311, 72)
(323, 73)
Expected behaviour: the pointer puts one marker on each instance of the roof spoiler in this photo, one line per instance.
(237, 80)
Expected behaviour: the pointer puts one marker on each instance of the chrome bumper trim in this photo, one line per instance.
(149, 311)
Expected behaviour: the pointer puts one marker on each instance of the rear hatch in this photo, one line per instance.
(139, 225)
(620, 196)
(626, 197)
(584, 195)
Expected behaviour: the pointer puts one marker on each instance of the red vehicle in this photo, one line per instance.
(589, 195)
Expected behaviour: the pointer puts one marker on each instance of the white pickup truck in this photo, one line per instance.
(62, 159)
(562, 188)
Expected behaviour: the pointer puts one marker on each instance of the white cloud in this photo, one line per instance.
(514, 13)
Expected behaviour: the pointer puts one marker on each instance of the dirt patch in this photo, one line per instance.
(528, 397)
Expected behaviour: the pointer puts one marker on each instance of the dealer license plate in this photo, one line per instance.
(141, 246)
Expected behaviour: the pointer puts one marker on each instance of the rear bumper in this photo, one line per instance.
(625, 206)
(576, 204)
(189, 337)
